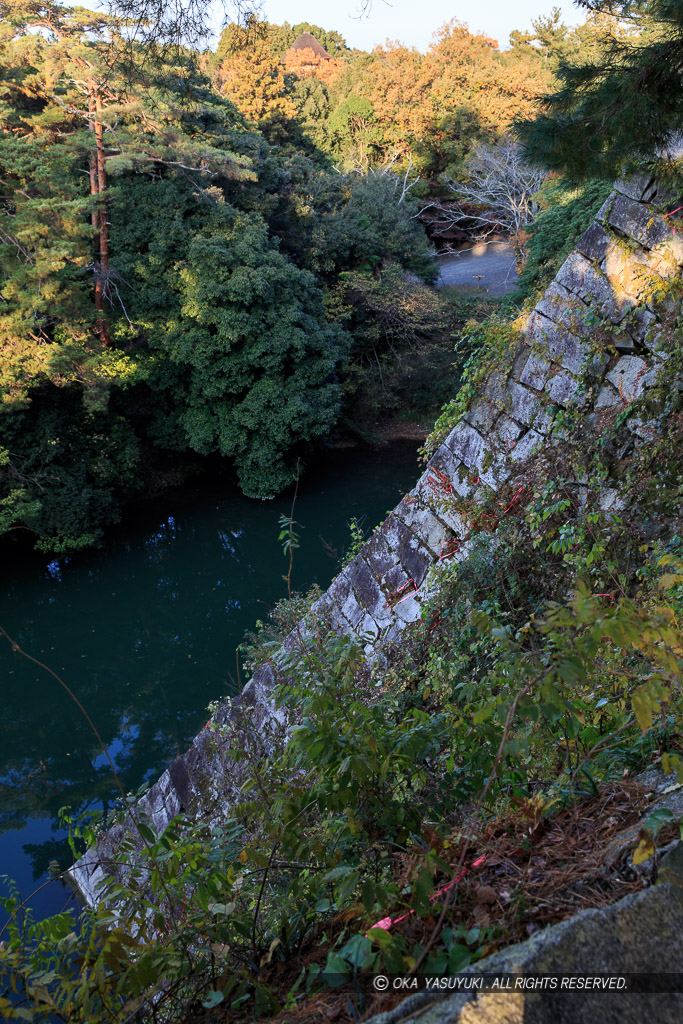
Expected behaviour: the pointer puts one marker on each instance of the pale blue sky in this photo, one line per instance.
(414, 21)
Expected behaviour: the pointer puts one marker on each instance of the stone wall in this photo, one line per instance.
(612, 279)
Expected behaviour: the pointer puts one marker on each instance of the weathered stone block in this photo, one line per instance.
(578, 275)
(424, 524)
(378, 554)
(562, 346)
(494, 388)
(526, 446)
(443, 461)
(368, 591)
(496, 472)
(565, 389)
(411, 554)
(671, 252)
(482, 415)
(467, 444)
(607, 398)
(640, 323)
(594, 243)
(609, 500)
(637, 936)
(522, 404)
(519, 361)
(409, 610)
(554, 301)
(627, 377)
(535, 372)
(507, 432)
(630, 275)
(367, 628)
(638, 222)
(636, 187)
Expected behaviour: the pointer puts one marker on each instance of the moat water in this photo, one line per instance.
(144, 631)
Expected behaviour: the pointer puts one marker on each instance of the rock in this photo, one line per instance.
(482, 415)
(562, 346)
(565, 389)
(522, 404)
(670, 870)
(627, 377)
(578, 275)
(523, 449)
(638, 935)
(507, 431)
(637, 222)
(535, 372)
(467, 444)
(593, 243)
(637, 187)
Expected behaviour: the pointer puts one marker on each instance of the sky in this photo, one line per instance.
(414, 22)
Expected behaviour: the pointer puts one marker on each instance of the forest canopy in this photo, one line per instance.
(200, 252)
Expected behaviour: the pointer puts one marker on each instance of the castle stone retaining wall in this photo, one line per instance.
(612, 280)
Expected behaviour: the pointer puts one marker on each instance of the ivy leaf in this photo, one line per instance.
(645, 848)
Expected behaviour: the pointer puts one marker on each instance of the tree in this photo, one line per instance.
(354, 134)
(621, 106)
(498, 193)
(256, 357)
(251, 76)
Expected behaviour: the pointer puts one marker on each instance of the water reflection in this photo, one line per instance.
(144, 632)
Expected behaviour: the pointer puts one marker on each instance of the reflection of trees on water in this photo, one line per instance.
(50, 757)
(144, 633)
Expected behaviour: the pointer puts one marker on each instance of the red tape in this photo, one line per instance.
(450, 549)
(388, 922)
(397, 593)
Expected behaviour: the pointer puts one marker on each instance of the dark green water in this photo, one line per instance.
(144, 631)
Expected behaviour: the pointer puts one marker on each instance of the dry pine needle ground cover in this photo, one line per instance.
(538, 870)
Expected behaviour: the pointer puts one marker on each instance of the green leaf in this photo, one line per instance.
(213, 998)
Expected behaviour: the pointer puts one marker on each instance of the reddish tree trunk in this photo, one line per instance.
(99, 216)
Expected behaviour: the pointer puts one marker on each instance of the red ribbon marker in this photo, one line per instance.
(388, 922)
(449, 549)
(392, 603)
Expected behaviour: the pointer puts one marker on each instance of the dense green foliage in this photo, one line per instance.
(166, 276)
(565, 214)
(622, 104)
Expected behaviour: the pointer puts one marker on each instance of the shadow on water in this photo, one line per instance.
(145, 631)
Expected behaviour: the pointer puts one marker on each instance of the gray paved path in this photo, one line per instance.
(488, 266)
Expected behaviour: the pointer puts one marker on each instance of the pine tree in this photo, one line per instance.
(620, 108)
